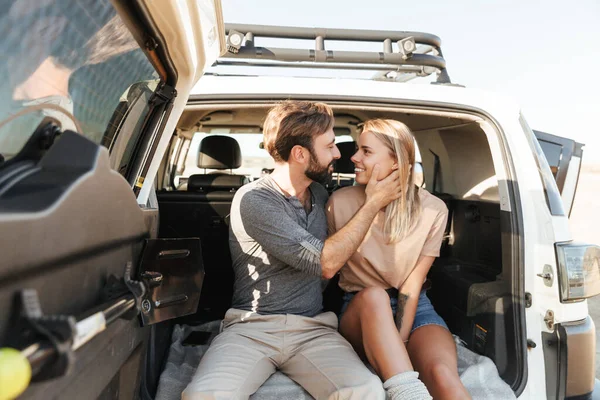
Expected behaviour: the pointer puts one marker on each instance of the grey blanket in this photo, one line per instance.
(478, 373)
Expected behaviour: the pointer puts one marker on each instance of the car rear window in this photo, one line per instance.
(73, 61)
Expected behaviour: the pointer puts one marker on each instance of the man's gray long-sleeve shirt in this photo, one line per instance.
(276, 249)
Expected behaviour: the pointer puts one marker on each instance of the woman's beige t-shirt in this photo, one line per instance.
(377, 263)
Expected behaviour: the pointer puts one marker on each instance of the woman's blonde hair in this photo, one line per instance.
(400, 214)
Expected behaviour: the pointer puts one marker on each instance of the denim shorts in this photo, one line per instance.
(425, 315)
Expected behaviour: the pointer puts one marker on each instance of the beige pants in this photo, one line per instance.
(310, 351)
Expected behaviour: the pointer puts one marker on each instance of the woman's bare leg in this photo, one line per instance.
(368, 324)
(436, 364)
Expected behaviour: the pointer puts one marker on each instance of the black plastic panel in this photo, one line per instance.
(476, 234)
(61, 215)
(38, 189)
(66, 224)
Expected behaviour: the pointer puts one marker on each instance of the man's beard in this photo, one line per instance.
(317, 172)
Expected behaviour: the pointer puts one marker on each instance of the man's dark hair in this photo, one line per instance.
(295, 123)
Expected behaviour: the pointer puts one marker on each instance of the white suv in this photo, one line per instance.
(510, 282)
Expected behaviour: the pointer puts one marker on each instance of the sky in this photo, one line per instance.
(541, 53)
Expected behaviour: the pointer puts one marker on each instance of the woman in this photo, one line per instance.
(386, 315)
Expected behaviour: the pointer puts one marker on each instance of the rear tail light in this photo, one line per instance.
(578, 270)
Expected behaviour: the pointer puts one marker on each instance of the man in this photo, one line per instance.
(280, 255)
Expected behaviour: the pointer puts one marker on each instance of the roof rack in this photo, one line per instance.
(418, 54)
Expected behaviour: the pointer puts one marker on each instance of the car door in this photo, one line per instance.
(88, 94)
(564, 157)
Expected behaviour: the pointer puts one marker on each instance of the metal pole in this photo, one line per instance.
(355, 67)
(387, 46)
(336, 56)
(287, 32)
(41, 353)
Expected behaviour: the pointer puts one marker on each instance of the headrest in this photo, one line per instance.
(219, 152)
(215, 182)
(344, 165)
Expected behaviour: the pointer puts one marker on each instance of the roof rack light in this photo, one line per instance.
(407, 47)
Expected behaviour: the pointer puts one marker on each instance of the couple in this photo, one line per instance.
(385, 233)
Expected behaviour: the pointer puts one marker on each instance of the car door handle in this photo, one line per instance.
(171, 301)
(172, 254)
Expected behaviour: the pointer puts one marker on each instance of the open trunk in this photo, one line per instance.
(475, 279)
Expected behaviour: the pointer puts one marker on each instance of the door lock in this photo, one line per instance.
(547, 275)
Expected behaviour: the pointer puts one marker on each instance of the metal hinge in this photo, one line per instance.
(163, 93)
(549, 319)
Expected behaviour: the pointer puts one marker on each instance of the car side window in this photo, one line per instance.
(551, 192)
(553, 154)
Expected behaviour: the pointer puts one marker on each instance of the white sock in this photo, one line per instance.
(406, 386)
